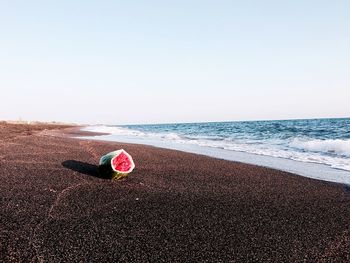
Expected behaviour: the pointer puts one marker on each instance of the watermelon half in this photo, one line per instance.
(116, 165)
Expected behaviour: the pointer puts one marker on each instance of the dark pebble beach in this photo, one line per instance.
(174, 207)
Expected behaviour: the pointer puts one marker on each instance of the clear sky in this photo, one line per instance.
(120, 62)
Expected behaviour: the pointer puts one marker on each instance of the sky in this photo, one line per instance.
(129, 62)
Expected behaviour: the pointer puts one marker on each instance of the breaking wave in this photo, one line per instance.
(336, 147)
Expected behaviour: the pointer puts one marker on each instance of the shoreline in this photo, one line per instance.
(172, 207)
(306, 169)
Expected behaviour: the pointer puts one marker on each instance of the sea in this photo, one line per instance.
(316, 148)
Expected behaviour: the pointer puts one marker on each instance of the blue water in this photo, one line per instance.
(318, 141)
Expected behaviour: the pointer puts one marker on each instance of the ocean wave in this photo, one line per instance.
(273, 150)
(121, 131)
(114, 130)
(171, 136)
(336, 146)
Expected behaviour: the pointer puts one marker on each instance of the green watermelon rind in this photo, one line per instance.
(106, 168)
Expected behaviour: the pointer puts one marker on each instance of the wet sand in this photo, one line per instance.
(174, 207)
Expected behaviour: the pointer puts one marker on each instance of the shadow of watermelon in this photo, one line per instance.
(83, 168)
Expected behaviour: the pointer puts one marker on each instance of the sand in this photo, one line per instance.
(174, 207)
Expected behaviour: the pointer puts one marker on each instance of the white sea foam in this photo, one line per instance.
(121, 131)
(172, 136)
(114, 130)
(339, 162)
(338, 147)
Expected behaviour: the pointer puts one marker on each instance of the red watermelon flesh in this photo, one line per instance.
(122, 163)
